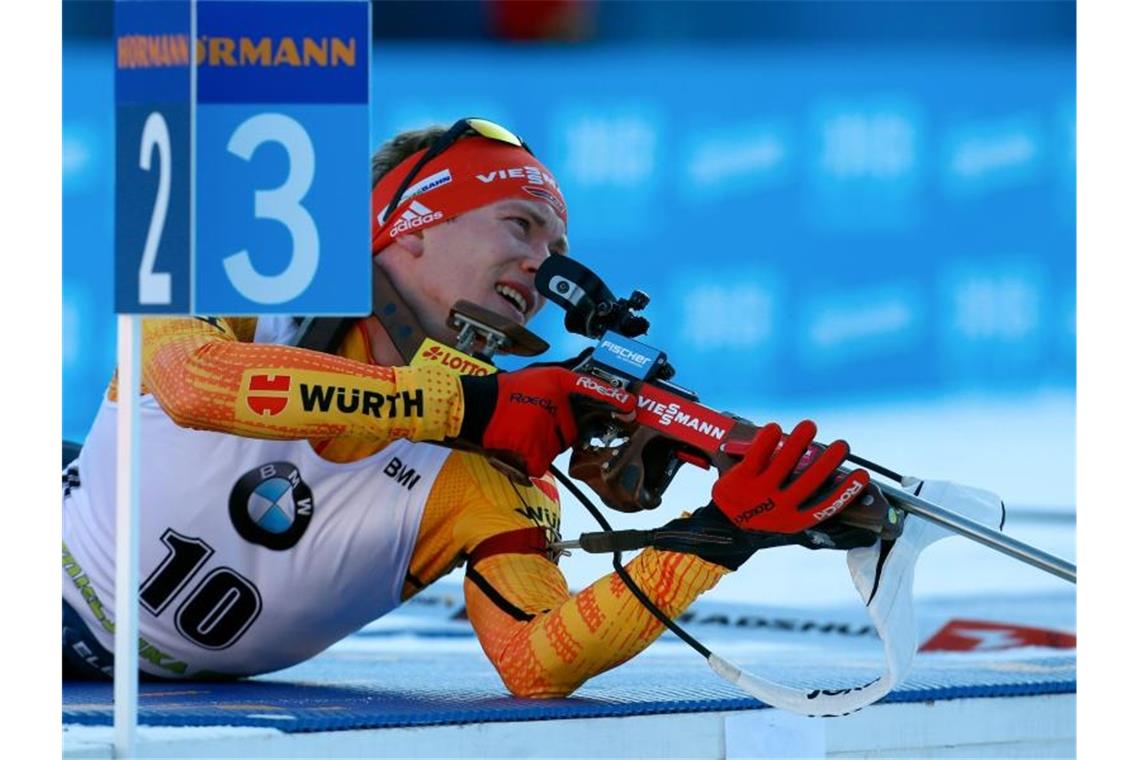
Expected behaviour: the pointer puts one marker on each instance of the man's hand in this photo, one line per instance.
(708, 534)
(762, 493)
(528, 417)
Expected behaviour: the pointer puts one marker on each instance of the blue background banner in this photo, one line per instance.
(152, 51)
(290, 52)
(227, 223)
(136, 197)
(830, 224)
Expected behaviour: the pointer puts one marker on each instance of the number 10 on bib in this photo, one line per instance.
(242, 172)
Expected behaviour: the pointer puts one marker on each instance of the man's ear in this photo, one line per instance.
(411, 243)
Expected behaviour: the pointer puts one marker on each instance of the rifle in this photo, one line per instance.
(630, 465)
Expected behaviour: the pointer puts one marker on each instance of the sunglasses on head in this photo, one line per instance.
(461, 128)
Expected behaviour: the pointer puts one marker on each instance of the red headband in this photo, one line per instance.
(472, 173)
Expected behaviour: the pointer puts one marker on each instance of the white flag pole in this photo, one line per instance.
(126, 540)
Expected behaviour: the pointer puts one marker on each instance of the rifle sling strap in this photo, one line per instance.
(326, 333)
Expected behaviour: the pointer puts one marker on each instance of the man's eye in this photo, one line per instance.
(523, 222)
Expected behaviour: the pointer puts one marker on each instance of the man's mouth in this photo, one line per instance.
(514, 297)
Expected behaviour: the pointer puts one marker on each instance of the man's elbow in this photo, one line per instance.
(184, 410)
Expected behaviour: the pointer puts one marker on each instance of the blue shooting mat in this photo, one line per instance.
(422, 666)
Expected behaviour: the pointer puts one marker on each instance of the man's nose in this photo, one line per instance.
(536, 254)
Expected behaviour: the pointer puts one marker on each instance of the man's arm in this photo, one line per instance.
(207, 375)
(545, 642)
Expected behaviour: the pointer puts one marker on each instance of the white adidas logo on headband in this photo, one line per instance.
(416, 215)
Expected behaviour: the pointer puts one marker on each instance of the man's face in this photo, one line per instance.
(488, 256)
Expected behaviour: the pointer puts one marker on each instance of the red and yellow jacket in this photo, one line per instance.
(543, 640)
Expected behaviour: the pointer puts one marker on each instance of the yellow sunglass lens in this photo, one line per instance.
(493, 131)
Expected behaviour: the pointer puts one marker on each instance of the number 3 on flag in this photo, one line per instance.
(247, 193)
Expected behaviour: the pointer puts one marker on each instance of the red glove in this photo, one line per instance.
(528, 417)
(761, 492)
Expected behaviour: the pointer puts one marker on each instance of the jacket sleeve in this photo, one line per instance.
(207, 374)
(546, 642)
(543, 640)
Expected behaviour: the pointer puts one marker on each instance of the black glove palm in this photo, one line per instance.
(711, 536)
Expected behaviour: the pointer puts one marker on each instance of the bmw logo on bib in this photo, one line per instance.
(271, 506)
